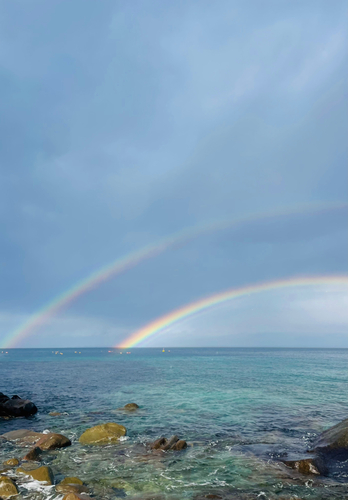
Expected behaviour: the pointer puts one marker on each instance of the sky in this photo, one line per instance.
(123, 123)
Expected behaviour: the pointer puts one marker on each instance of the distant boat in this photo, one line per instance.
(163, 350)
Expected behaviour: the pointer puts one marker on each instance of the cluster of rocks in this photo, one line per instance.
(173, 443)
(16, 407)
(39, 443)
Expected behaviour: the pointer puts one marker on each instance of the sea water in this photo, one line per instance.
(241, 411)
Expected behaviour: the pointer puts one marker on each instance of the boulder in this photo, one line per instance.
(42, 473)
(49, 441)
(52, 441)
(179, 445)
(71, 480)
(12, 462)
(7, 487)
(333, 439)
(16, 406)
(103, 434)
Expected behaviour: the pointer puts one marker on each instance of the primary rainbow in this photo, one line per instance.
(131, 260)
(164, 322)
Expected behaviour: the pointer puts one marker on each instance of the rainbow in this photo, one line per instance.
(123, 264)
(164, 322)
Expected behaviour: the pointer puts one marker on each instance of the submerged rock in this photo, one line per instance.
(75, 496)
(49, 441)
(11, 462)
(334, 438)
(16, 406)
(103, 434)
(7, 487)
(130, 407)
(42, 473)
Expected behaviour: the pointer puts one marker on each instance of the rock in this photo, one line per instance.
(334, 438)
(7, 487)
(12, 462)
(33, 454)
(158, 443)
(130, 407)
(16, 407)
(48, 441)
(54, 413)
(52, 441)
(42, 473)
(173, 443)
(307, 465)
(71, 480)
(103, 434)
(179, 445)
(71, 485)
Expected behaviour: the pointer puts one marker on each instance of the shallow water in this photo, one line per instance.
(241, 410)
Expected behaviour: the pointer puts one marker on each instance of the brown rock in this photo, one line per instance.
(7, 487)
(71, 488)
(43, 473)
(53, 441)
(12, 462)
(33, 454)
(158, 443)
(103, 434)
(71, 480)
(179, 445)
(130, 407)
(54, 413)
(171, 441)
(307, 465)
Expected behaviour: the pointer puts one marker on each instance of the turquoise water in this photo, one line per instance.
(241, 411)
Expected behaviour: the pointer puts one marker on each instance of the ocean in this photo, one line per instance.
(241, 411)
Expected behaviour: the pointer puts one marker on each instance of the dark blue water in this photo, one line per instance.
(241, 410)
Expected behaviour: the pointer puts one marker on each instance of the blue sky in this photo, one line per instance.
(124, 122)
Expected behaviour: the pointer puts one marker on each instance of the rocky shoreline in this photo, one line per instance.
(329, 446)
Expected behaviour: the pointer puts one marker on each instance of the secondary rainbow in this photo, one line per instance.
(198, 306)
(129, 261)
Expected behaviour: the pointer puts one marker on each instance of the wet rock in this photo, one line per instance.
(12, 462)
(54, 413)
(48, 441)
(130, 407)
(307, 465)
(173, 443)
(71, 480)
(7, 487)
(42, 473)
(71, 488)
(16, 406)
(53, 441)
(179, 445)
(156, 445)
(33, 454)
(103, 434)
(334, 438)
